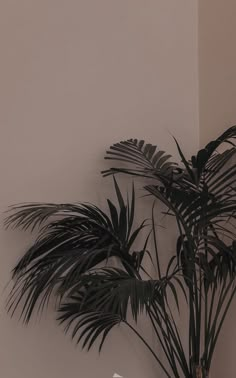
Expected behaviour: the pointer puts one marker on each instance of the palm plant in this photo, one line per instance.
(86, 259)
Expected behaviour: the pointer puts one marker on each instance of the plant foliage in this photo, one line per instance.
(87, 259)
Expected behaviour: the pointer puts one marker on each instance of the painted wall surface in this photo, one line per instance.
(217, 106)
(75, 77)
(217, 62)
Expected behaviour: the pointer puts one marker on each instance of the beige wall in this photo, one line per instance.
(217, 67)
(77, 75)
(217, 105)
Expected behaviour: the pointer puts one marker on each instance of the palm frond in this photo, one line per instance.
(100, 300)
(110, 293)
(90, 324)
(70, 246)
(145, 159)
(209, 152)
(201, 189)
(113, 290)
(85, 257)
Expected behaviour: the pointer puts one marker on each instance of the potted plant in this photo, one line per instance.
(85, 257)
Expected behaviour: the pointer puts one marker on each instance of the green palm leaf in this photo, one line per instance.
(84, 256)
(102, 299)
(144, 159)
(69, 247)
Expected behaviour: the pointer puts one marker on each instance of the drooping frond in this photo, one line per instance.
(102, 298)
(68, 247)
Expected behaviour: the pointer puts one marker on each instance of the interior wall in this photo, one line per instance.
(217, 109)
(75, 77)
(217, 62)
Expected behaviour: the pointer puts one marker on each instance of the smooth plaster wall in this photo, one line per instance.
(76, 76)
(217, 72)
(217, 109)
